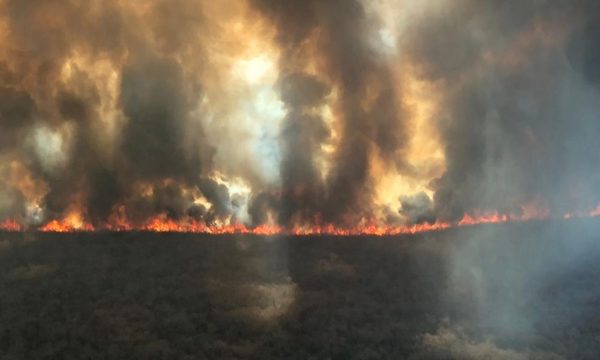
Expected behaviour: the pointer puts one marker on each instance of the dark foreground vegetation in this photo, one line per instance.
(523, 291)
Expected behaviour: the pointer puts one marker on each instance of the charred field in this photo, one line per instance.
(498, 291)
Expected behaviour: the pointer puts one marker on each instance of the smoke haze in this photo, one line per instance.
(295, 113)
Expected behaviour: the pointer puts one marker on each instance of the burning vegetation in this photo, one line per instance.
(296, 117)
(161, 223)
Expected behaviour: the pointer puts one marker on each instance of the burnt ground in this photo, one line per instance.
(520, 291)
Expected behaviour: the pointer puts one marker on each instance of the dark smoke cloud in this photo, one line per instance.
(154, 95)
(218, 195)
(519, 119)
(153, 99)
(301, 135)
(16, 113)
(261, 205)
(417, 208)
(350, 63)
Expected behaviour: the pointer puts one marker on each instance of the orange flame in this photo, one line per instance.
(75, 222)
(10, 225)
(63, 226)
(72, 223)
(118, 221)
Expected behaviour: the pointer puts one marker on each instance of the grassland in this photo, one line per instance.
(518, 291)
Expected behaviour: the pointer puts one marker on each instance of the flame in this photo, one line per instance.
(158, 224)
(118, 222)
(371, 229)
(73, 222)
(595, 212)
(163, 224)
(10, 225)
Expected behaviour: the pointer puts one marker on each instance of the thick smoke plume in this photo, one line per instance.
(297, 113)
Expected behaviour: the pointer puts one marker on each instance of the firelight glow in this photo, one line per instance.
(259, 116)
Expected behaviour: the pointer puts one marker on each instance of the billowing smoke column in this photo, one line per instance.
(520, 111)
(368, 114)
(296, 114)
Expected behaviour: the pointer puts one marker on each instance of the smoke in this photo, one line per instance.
(519, 113)
(301, 135)
(367, 113)
(417, 208)
(502, 287)
(297, 112)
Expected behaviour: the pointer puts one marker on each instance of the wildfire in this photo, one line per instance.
(369, 229)
(10, 225)
(75, 222)
(583, 214)
(162, 224)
